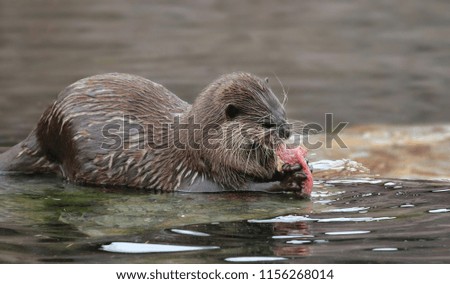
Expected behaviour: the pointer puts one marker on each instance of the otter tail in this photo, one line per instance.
(25, 157)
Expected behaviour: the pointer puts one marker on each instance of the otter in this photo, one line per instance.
(124, 130)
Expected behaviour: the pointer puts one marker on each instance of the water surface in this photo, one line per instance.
(45, 220)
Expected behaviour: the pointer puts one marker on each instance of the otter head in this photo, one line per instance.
(243, 124)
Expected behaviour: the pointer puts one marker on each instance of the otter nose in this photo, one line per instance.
(284, 131)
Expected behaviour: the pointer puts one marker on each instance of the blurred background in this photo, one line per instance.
(368, 62)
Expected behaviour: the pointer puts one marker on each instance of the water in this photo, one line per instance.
(45, 220)
(382, 66)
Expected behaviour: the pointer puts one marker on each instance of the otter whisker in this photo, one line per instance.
(299, 127)
(247, 162)
(285, 94)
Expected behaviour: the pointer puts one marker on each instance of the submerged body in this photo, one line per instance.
(124, 130)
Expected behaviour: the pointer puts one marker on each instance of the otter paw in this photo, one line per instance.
(291, 167)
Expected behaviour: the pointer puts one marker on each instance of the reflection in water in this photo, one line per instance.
(285, 248)
(249, 227)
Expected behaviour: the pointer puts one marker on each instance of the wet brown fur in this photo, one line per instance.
(68, 138)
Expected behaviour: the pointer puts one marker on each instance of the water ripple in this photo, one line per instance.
(441, 190)
(443, 210)
(254, 258)
(298, 242)
(346, 233)
(385, 249)
(125, 247)
(190, 233)
(346, 210)
(292, 236)
(293, 219)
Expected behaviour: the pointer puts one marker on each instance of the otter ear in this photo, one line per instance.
(231, 111)
(267, 80)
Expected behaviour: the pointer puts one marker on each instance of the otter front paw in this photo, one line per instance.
(294, 171)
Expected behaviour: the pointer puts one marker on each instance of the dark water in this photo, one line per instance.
(375, 64)
(346, 221)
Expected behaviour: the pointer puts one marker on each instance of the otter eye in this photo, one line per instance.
(268, 123)
(231, 111)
